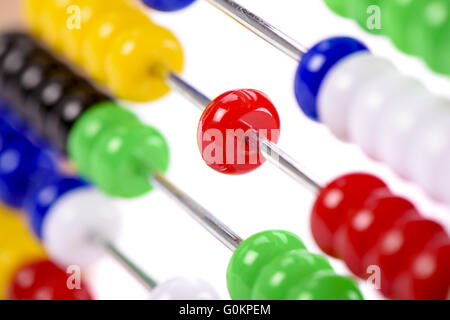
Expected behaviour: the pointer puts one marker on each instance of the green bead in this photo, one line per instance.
(361, 11)
(436, 28)
(339, 7)
(90, 126)
(326, 285)
(125, 157)
(285, 271)
(253, 255)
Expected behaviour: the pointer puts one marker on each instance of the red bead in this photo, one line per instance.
(397, 249)
(335, 203)
(45, 281)
(364, 227)
(427, 277)
(231, 115)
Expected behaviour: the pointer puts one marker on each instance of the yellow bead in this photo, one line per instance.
(136, 59)
(101, 34)
(32, 13)
(79, 20)
(17, 247)
(53, 21)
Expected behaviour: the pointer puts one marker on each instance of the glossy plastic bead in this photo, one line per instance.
(353, 74)
(125, 157)
(45, 196)
(102, 33)
(17, 246)
(21, 166)
(90, 126)
(291, 268)
(252, 255)
(32, 15)
(43, 280)
(168, 5)
(224, 123)
(72, 36)
(184, 289)
(416, 27)
(380, 212)
(316, 64)
(74, 225)
(326, 285)
(138, 61)
(60, 120)
(335, 202)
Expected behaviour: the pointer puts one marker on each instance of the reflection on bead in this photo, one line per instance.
(72, 223)
(138, 59)
(222, 127)
(184, 289)
(102, 33)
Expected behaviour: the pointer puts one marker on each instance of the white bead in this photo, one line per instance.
(372, 102)
(398, 124)
(184, 289)
(73, 220)
(337, 91)
(429, 151)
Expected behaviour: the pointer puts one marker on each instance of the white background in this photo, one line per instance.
(222, 55)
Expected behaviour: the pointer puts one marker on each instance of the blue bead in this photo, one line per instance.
(21, 166)
(167, 5)
(315, 65)
(45, 195)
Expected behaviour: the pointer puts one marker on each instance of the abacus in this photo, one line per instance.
(355, 217)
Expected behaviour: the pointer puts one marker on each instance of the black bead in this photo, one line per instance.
(60, 121)
(47, 96)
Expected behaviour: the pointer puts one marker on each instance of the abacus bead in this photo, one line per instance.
(168, 5)
(53, 22)
(72, 38)
(102, 33)
(184, 289)
(397, 248)
(284, 271)
(314, 67)
(17, 246)
(326, 285)
(365, 226)
(359, 10)
(90, 126)
(56, 85)
(21, 166)
(252, 255)
(125, 157)
(222, 127)
(60, 120)
(336, 93)
(45, 195)
(138, 60)
(44, 280)
(369, 105)
(334, 204)
(427, 277)
(32, 15)
(68, 227)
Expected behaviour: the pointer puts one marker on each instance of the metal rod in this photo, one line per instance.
(187, 91)
(137, 272)
(200, 214)
(261, 28)
(268, 149)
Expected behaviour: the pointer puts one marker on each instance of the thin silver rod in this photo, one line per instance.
(137, 272)
(283, 161)
(265, 147)
(200, 214)
(261, 28)
(187, 91)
